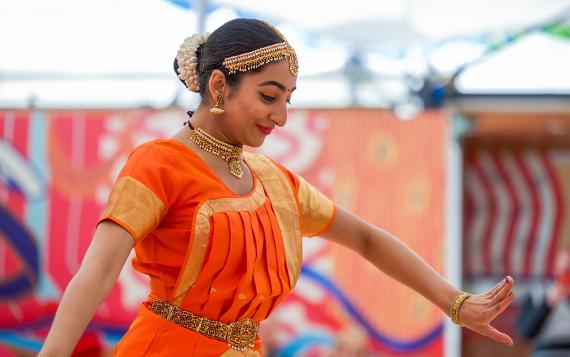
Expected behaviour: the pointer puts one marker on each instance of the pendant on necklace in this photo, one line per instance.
(235, 167)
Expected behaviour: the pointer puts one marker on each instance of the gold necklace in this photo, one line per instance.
(232, 154)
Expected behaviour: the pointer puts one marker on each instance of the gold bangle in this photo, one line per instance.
(456, 305)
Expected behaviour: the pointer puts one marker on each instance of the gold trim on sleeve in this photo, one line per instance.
(133, 204)
(316, 209)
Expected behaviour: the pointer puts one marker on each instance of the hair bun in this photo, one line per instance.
(188, 61)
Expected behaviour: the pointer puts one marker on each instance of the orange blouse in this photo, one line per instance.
(207, 249)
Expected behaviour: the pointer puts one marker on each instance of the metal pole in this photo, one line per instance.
(202, 6)
(453, 224)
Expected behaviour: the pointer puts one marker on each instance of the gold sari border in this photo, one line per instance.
(284, 203)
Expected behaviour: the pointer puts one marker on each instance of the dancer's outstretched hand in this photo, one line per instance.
(479, 310)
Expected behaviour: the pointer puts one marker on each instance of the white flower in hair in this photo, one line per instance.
(188, 62)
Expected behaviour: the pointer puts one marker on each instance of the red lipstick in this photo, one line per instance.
(265, 130)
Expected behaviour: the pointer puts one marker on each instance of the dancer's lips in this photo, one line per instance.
(265, 130)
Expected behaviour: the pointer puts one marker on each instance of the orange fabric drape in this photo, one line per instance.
(206, 249)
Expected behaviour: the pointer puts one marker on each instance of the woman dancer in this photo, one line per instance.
(217, 230)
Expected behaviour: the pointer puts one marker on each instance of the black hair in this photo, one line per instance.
(232, 38)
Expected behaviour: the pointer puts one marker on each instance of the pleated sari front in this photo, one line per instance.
(206, 249)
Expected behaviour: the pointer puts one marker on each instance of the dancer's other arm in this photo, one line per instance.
(98, 273)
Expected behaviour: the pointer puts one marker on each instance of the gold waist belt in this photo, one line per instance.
(239, 335)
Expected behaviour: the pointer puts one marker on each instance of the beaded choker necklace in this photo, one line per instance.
(228, 152)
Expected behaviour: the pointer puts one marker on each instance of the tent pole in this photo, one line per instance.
(202, 14)
(453, 225)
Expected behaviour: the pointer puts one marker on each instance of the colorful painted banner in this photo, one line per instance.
(57, 169)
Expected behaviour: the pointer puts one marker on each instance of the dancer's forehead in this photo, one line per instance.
(273, 75)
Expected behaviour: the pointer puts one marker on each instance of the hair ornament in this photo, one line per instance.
(257, 58)
(188, 62)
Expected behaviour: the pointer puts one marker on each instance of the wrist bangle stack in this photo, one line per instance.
(456, 305)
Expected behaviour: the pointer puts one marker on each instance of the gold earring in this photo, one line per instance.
(217, 109)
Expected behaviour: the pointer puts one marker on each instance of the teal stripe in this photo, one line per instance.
(15, 340)
(37, 207)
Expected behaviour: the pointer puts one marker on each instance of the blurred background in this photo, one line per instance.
(445, 122)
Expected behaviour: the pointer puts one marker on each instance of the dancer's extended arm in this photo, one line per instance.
(396, 259)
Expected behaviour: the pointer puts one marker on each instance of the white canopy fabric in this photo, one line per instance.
(435, 20)
(536, 64)
(70, 53)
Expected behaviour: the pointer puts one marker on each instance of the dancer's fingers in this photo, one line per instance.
(501, 305)
(497, 287)
(503, 291)
(497, 335)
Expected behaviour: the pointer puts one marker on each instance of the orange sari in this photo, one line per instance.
(206, 249)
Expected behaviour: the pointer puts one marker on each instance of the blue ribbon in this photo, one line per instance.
(22, 242)
(402, 346)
